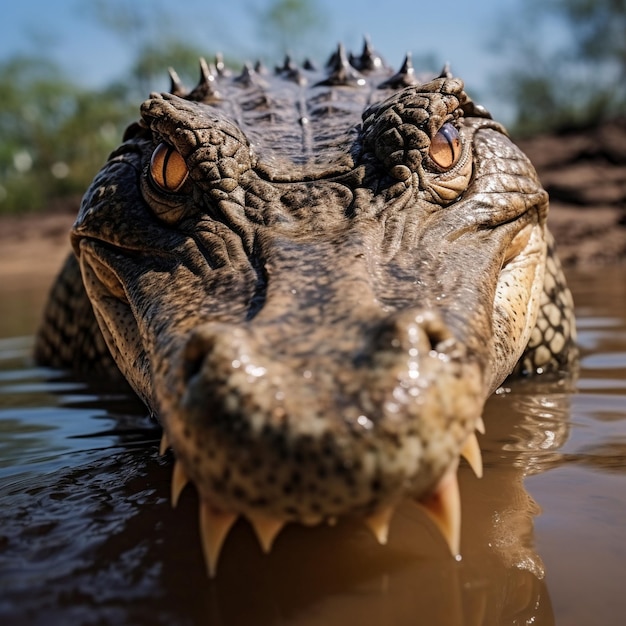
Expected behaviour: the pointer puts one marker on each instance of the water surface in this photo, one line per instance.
(87, 534)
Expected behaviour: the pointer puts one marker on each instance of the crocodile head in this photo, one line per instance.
(315, 281)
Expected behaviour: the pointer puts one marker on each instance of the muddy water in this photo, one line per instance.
(87, 535)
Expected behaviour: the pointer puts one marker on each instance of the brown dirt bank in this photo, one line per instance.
(584, 172)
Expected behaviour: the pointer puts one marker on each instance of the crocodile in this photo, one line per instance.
(314, 279)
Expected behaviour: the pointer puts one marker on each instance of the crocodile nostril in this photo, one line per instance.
(435, 332)
(200, 343)
(423, 331)
(192, 367)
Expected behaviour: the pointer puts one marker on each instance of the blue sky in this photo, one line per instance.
(456, 31)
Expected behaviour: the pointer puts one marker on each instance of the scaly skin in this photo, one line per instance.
(315, 285)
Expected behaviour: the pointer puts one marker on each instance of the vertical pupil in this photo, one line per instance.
(446, 146)
(166, 158)
(451, 138)
(168, 168)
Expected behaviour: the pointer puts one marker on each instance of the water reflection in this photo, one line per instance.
(87, 534)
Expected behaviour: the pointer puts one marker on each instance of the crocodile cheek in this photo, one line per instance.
(109, 303)
(517, 298)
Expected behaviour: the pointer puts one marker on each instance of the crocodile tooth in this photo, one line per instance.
(179, 480)
(480, 425)
(444, 508)
(378, 523)
(214, 528)
(266, 529)
(471, 453)
(165, 444)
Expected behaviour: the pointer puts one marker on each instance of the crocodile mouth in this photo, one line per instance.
(311, 444)
(442, 505)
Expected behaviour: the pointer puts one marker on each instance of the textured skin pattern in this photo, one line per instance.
(552, 345)
(319, 309)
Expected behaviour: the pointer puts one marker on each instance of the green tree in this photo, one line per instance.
(291, 25)
(578, 81)
(55, 134)
(152, 33)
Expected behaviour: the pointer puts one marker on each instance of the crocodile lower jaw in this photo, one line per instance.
(443, 506)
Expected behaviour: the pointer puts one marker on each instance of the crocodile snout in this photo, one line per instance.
(308, 436)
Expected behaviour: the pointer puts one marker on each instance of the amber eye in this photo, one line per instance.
(168, 168)
(445, 147)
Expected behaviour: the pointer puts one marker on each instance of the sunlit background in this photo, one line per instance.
(72, 72)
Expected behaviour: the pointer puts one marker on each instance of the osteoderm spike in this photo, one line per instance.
(214, 528)
(259, 67)
(369, 60)
(405, 77)
(288, 65)
(332, 60)
(444, 508)
(176, 85)
(342, 74)
(407, 65)
(266, 529)
(205, 89)
(338, 60)
(471, 453)
(179, 481)
(165, 444)
(220, 66)
(446, 72)
(379, 522)
(206, 77)
(247, 76)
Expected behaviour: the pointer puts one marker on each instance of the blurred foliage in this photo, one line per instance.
(291, 26)
(567, 64)
(150, 31)
(55, 134)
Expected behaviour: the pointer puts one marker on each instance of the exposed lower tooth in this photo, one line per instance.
(378, 523)
(214, 528)
(471, 452)
(266, 529)
(165, 444)
(179, 480)
(444, 508)
(480, 425)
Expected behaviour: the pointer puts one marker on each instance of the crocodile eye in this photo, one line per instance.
(445, 147)
(168, 168)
